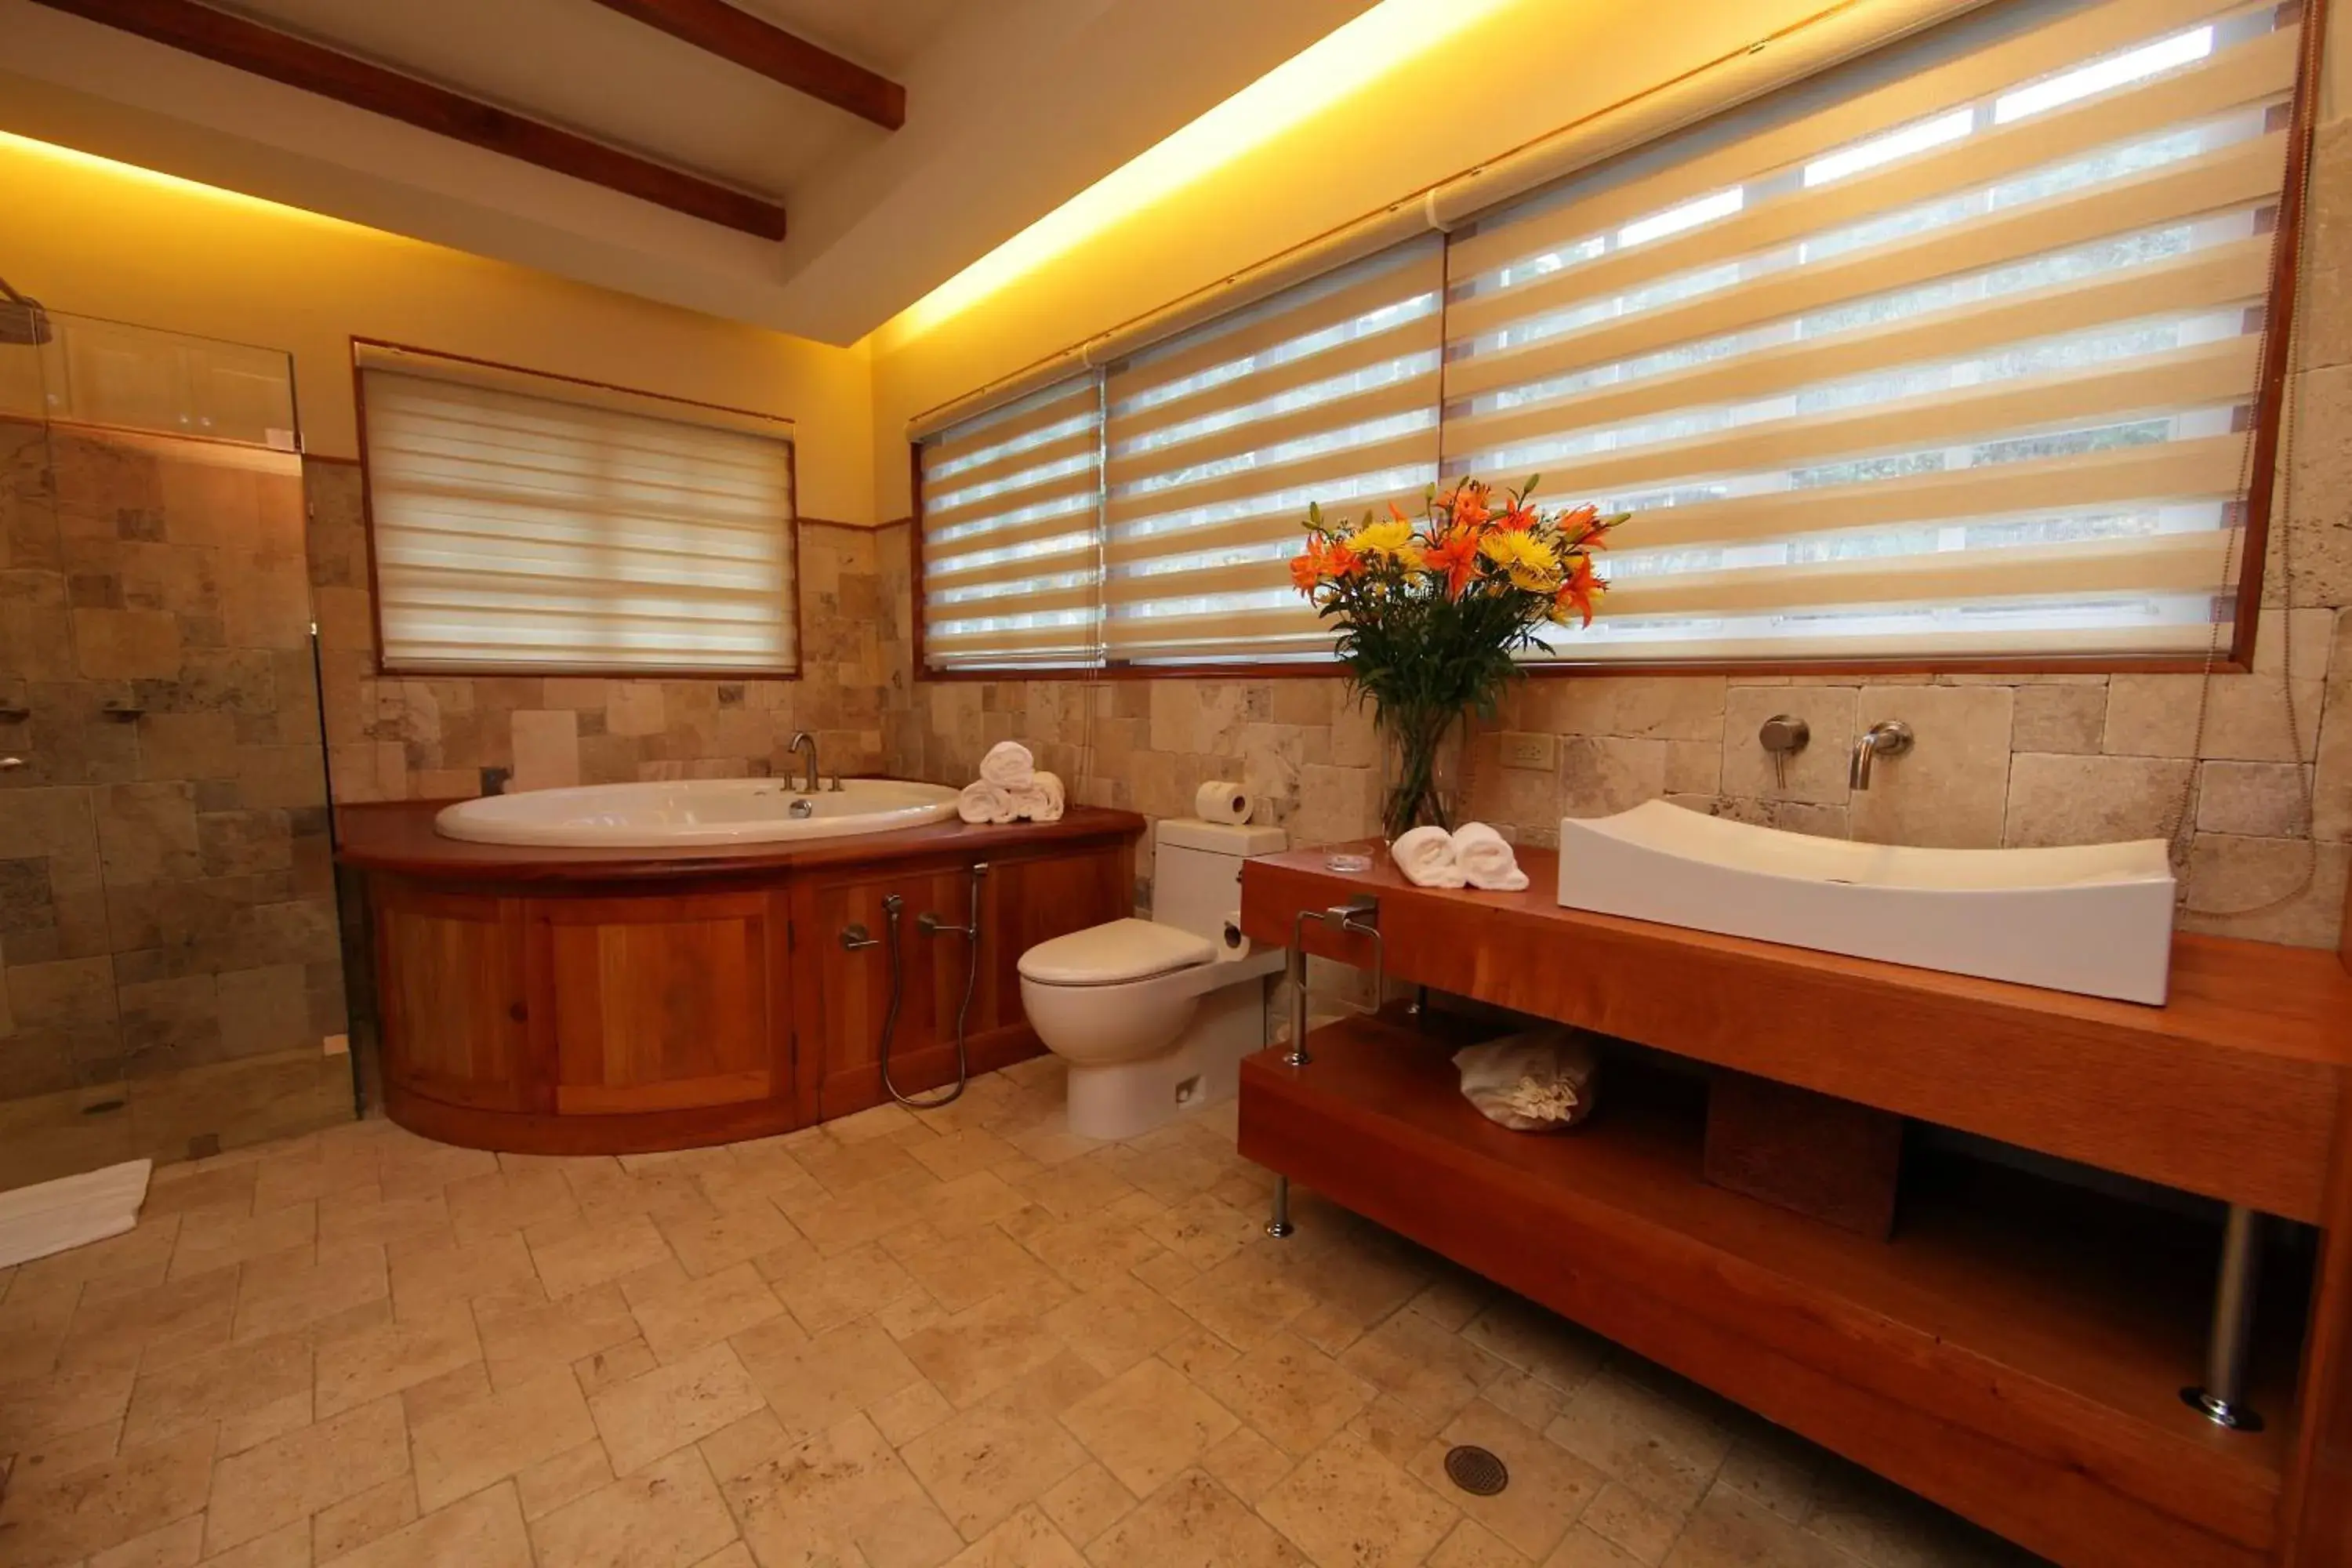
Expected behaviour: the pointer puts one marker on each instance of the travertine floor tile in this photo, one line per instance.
(291, 1478)
(485, 1531)
(1658, 1449)
(829, 1293)
(367, 1366)
(983, 1464)
(462, 1450)
(1148, 1423)
(64, 1515)
(1027, 1539)
(1346, 1506)
(1193, 1522)
(893, 1342)
(813, 1384)
(668, 1515)
(683, 1318)
(647, 1416)
(840, 1493)
(1290, 1392)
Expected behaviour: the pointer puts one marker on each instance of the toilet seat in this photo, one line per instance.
(1115, 954)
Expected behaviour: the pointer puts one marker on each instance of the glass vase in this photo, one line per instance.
(1421, 754)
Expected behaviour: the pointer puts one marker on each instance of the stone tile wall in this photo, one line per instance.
(165, 890)
(2022, 761)
(396, 739)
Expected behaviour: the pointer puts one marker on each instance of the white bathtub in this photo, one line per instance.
(696, 811)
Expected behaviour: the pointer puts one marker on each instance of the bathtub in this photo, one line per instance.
(696, 811)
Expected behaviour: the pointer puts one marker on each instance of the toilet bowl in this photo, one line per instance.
(1153, 1016)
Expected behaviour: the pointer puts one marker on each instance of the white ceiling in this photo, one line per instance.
(1012, 106)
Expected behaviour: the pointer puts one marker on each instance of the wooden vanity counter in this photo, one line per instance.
(2230, 1091)
(564, 1000)
(2016, 1349)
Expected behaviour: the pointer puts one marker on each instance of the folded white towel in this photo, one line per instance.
(1008, 765)
(1039, 800)
(1487, 859)
(1425, 856)
(983, 802)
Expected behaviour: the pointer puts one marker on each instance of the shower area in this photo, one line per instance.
(171, 980)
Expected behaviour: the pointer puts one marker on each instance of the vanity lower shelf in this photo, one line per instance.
(2013, 1353)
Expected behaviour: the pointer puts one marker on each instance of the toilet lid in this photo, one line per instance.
(1106, 954)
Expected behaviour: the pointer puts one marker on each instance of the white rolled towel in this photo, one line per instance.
(1041, 799)
(1487, 859)
(1008, 765)
(983, 802)
(1425, 856)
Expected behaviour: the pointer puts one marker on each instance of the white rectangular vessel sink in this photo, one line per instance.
(2096, 919)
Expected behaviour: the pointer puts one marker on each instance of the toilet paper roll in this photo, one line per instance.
(1231, 943)
(1222, 800)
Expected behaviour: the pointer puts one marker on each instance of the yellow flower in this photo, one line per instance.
(1393, 539)
(1529, 560)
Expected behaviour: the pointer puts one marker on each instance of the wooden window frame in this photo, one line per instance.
(2237, 658)
(624, 672)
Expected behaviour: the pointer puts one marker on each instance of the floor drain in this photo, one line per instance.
(1476, 1470)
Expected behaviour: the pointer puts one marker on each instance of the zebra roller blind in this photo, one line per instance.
(1952, 353)
(1959, 360)
(1011, 519)
(522, 532)
(1221, 436)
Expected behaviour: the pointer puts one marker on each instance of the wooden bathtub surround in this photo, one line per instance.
(566, 1001)
(2016, 1348)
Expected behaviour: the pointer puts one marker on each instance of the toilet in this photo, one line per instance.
(1153, 1016)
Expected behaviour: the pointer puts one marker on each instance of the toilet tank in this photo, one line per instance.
(1196, 870)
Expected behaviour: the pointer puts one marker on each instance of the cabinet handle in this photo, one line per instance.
(518, 1012)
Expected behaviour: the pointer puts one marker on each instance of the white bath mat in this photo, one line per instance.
(72, 1211)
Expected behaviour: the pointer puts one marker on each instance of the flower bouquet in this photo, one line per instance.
(1431, 613)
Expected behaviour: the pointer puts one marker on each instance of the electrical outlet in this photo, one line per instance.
(1524, 749)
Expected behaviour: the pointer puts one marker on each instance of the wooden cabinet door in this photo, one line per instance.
(654, 1004)
(449, 971)
(851, 988)
(1036, 899)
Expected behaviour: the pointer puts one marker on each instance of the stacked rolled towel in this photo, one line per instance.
(1010, 788)
(1474, 856)
(1425, 856)
(1486, 861)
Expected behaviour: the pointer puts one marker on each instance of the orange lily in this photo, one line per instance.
(1467, 505)
(1307, 567)
(1455, 556)
(1576, 594)
(1583, 529)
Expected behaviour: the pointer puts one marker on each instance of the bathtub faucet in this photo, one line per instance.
(1890, 739)
(806, 743)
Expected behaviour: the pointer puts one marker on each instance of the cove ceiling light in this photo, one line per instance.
(1377, 41)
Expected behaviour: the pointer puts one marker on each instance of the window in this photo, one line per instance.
(522, 522)
(1953, 352)
(1011, 525)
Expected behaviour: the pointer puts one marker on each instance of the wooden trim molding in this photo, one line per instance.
(741, 38)
(296, 62)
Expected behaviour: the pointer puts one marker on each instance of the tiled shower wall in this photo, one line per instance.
(168, 958)
(402, 739)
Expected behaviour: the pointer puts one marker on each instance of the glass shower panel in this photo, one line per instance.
(168, 944)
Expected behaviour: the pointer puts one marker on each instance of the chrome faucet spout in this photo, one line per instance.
(1891, 738)
(805, 744)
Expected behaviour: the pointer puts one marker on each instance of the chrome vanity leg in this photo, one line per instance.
(1280, 1225)
(2220, 1398)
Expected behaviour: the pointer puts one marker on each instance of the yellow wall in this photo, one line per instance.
(96, 238)
(1528, 70)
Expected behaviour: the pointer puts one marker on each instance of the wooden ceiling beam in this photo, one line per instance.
(743, 39)
(296, 62)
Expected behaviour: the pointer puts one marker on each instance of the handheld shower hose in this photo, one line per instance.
(929, 925)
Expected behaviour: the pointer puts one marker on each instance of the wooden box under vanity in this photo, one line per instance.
(2017, 1346)
(571, 1001)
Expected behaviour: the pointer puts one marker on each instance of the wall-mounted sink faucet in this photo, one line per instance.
(1890, 738)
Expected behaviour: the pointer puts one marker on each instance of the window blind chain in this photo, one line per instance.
(2282, 525)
